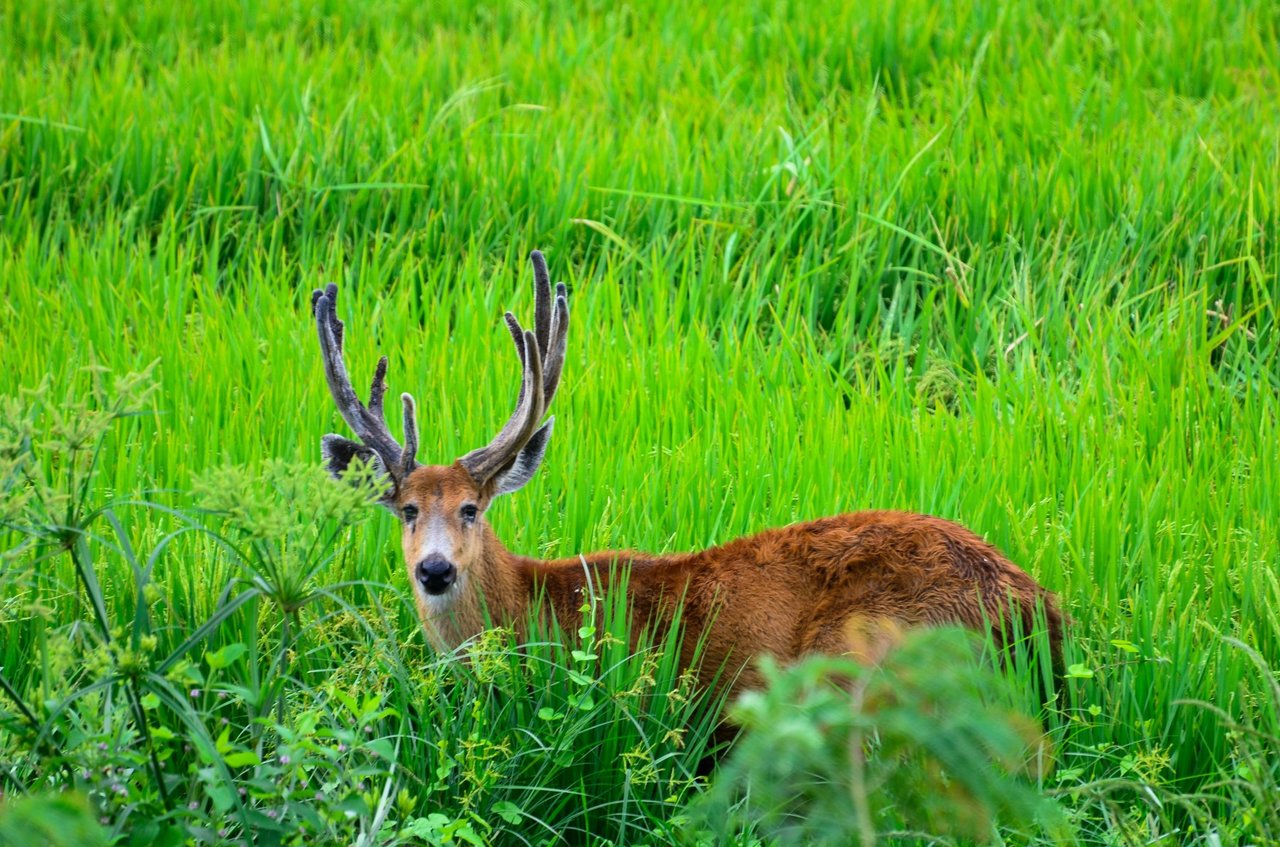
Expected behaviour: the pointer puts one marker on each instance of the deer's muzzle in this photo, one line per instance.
(436, 574)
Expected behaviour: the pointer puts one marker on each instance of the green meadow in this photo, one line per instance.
(1013, 264)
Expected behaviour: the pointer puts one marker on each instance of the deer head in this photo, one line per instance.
(441, 507)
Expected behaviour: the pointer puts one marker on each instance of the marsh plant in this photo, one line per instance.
(290, 713)
(297, 709)
(120, 704)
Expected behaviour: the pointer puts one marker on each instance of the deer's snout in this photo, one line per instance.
(436, 574)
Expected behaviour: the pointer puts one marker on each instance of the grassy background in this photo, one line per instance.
(1012, 264)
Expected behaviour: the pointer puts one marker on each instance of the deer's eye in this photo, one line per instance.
(469, 513)
(410, 513)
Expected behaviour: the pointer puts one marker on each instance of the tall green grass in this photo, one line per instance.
(1013, 264)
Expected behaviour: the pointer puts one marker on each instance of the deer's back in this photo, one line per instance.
(792, 590)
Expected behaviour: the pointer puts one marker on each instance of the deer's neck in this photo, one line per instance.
(498, 587)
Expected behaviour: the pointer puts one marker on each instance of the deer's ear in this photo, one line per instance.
(527, 461)
(339, 453)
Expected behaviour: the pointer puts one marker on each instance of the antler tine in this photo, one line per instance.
(541, 301)
(542, 358)
(558, 343)
(517, 338)
(378, 387)
(367, 423)
(487, 462)
(536, 406)
(408, 456)
(550, 323)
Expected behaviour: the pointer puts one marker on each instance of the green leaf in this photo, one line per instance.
(224, 741)
(382, 748)
(508, 811)
(225, 657)
(243, 758)
(144, 833)
(1069, 774)
(306, 723)
(1079, 671)
(428, 828)
(464, 831)
(221, 797)
(354, 804)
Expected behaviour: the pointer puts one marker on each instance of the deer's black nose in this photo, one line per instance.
(436, 574)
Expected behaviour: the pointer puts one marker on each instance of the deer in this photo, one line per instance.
(786, 592)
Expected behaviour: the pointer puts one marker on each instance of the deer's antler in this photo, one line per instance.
(367, 422)
(542, 359)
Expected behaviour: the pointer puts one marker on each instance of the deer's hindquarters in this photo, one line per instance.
(794, 591)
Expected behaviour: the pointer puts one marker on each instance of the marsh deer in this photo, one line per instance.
(785, 592)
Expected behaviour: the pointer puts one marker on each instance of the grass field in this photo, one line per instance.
(1011, 264)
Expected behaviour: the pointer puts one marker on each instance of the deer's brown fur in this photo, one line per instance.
(784, 592)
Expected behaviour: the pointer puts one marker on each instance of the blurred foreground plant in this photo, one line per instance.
(59, 821)
(904, 741)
